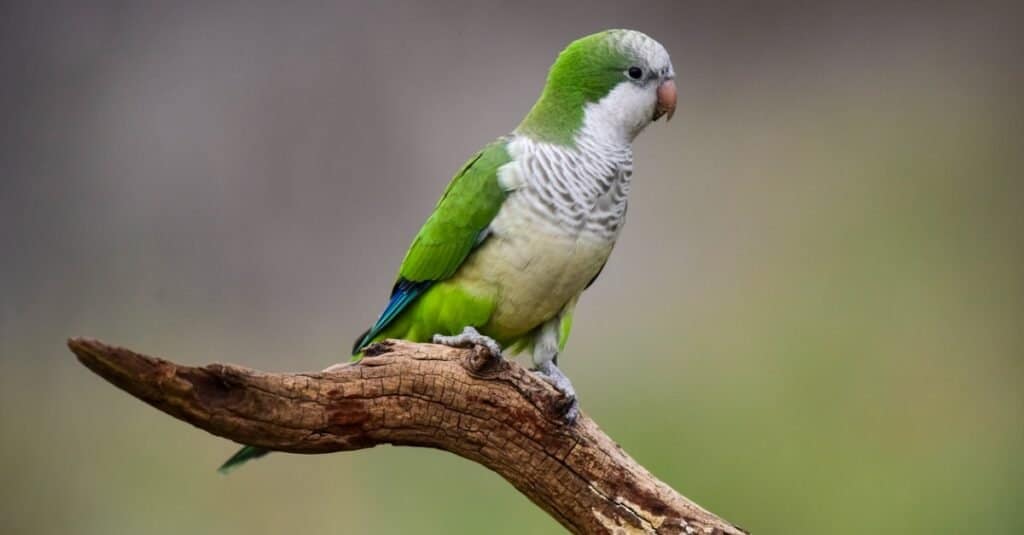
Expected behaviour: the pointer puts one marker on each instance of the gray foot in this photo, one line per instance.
(469, 338)
(554, 376)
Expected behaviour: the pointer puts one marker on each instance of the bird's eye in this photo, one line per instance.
(635, 73)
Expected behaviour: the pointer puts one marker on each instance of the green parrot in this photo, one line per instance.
(527, 224)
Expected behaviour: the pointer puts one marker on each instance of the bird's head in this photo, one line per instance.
(612, 84)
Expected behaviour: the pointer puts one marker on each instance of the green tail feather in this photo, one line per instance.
(240, 457)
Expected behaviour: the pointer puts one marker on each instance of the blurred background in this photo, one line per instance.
(811, 324)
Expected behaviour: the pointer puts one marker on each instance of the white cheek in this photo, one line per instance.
(623, 113)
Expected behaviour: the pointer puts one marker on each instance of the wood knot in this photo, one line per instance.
(378, 348)
(480, 362)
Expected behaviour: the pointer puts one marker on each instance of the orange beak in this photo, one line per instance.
(666, 100)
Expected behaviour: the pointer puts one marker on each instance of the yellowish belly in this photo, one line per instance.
(533, 270)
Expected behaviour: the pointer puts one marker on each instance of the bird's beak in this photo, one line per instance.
(666, 100)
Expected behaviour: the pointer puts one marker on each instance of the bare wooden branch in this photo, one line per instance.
(491, 411)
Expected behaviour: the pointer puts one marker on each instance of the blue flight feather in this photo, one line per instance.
(404, 292)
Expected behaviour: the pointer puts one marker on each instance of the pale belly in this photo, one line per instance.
(533, 268)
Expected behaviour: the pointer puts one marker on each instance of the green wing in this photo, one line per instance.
(468, 205)
(456, 226)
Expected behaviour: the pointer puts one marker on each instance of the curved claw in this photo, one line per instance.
(569, 406)
(570, 409)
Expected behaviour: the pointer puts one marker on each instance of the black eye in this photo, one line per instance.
(635, 73)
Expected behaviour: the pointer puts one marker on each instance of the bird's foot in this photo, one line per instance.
(570, 405)
(468, 338)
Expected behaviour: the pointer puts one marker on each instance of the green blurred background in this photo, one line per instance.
(811, 324)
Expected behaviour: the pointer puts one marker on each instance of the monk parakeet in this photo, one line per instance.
(528, 222)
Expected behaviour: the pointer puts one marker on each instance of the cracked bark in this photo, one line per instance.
(491, 411)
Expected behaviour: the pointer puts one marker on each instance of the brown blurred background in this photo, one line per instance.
(812, 322)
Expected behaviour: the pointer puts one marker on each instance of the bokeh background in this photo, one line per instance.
(811, 324)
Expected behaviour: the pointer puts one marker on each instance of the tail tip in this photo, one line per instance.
(240, 457)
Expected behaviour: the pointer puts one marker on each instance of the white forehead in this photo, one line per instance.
(643, 46)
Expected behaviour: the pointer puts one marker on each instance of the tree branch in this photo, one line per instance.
(491, 411)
